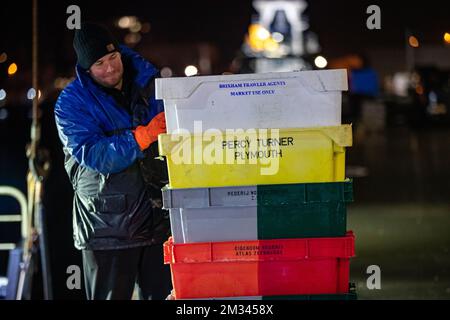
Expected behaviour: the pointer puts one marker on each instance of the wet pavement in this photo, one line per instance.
(401, 213)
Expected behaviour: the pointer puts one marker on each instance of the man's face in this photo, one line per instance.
(108, 70)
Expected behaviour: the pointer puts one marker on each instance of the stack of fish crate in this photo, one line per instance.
(257, 191)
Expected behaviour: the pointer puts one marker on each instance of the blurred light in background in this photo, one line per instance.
(415, 82)
(124, 22)
(190, 71)
(2, 94)
(31, 94)
(312, 43)
(447, 37)
(133, 24)
(419, 90)
(3, 114)
(351, 61)
(320, 62)
(278, 37)
(271, 45)
(136, 27)
(3, 57)
(127, 22)
(259, 38)
(12, 69)
(166, 72)
(262, 33)
(413, 42)
(400, 84)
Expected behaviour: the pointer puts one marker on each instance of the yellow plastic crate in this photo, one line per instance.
(256, 156)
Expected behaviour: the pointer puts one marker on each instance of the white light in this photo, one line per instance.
(127, 22)
(190, 71)
(262, 33)
(166, 72)
(124, 22)
(400, 83)
(320, 62)
(277, 37)
(2, 94)
(31, 94)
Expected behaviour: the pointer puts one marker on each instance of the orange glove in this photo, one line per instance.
(146, 135)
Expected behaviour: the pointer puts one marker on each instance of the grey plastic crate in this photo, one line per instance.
(258, 212)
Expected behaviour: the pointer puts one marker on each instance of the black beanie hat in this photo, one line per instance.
(92, 42)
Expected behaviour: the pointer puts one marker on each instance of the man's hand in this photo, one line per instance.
(146, 135)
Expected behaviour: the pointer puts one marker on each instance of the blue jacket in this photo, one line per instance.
(112, 205)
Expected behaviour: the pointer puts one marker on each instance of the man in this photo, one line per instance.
(108, 121)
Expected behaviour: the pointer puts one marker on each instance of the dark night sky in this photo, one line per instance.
(340, 25)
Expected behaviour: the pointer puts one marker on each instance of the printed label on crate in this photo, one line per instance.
(258, 250)
(251, 194)
(265, 147)
(260, 88)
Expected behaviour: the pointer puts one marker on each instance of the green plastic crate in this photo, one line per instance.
(303, 210)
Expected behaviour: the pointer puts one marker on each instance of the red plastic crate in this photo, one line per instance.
(261, 268)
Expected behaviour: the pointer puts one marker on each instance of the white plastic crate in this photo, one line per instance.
(267, 100)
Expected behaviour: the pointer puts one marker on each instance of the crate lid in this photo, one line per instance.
(322, 81)
(260, 250)
(249, 196)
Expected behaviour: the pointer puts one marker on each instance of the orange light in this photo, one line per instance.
(12, 69)
(253, 40)
(413, 42)
(419, 90)
(259, 39)
(447, 37)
